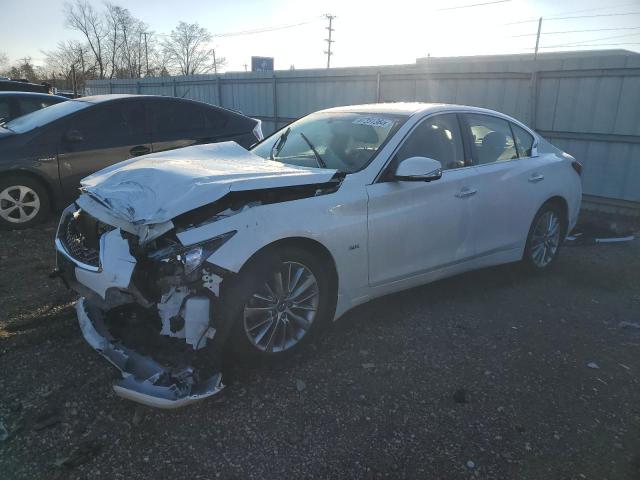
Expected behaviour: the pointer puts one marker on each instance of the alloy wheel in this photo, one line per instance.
(280, 313)
(545, 239)
(19, 204)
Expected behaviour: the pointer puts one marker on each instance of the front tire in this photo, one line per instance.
(278, 303)
(545, 237)
(24, 202)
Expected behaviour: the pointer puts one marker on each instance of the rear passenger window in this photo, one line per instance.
(438, 138)
(216, 120)
(524, 140)
(173, 120)
(491, 138)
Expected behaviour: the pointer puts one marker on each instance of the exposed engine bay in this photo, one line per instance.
(153, 307)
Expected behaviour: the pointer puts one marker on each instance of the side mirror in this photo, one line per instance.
(73, 136)
(418, 169)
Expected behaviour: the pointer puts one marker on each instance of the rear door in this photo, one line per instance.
(101, 136)
(417, 227)
(176, 124)
(179, 123)
(504, 203)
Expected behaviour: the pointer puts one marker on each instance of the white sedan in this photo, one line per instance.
(183, 256)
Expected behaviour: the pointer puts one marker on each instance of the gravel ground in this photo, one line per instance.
(494, 374)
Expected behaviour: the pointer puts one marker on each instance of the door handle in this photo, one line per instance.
(139, 150)
(466, 192)
(536, 177)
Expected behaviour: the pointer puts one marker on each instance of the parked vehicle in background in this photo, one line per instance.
(23, 85)
(43, 155)
(186, 254)
(16, 104)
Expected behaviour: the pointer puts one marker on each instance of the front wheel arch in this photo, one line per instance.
(312, 246)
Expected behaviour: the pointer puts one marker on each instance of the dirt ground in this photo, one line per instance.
(494, 375)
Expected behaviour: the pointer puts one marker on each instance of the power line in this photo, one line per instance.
(593, 45)
(265, 29)
(472, 5)
(577, 16)
(576, 31)
(580, 43)
(570, 12)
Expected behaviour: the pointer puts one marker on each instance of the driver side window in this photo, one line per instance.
(437, 137)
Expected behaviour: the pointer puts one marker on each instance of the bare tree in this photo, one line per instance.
(81, 16)
(186, 49)
(4, 61)
(59, 64)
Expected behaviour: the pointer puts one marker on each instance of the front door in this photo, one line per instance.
(417, 227)
(98, 137)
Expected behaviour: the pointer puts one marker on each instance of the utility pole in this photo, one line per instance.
(215, 64)
(146, 52)
(73, 81)
(328, 51)
(535, 55)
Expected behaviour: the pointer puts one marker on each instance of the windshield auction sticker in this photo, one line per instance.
(374, 122)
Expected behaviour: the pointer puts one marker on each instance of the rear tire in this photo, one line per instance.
(278, 303)
(24, 202)
(545, 237)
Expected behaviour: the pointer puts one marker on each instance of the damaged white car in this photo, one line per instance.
(184, 255)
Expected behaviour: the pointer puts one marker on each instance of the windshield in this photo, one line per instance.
(343, 141)
(43, 116)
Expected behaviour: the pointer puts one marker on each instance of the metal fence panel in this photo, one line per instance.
(586, 105)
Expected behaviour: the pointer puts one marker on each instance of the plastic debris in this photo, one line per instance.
(593, 365)
(300, 385)
(4, 434)
(471, 464)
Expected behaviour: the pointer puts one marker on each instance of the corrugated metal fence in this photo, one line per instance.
(588, 106)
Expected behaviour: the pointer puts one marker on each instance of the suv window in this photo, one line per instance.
(111, 125)
(524, 140)
(491, 138)
(173, 119)
(436, 137)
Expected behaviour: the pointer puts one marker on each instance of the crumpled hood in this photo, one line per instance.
(157, 187)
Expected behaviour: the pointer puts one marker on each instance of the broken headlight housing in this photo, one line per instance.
(191, 257)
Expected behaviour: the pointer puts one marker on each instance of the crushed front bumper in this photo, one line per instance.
(143, 379)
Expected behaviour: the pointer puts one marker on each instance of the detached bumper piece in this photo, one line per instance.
(143, 379)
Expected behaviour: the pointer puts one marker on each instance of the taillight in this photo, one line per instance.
(257, 130)
(577, 166)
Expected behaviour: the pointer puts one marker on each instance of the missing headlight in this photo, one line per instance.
(191, 257)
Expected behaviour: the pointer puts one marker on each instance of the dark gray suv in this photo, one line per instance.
(43, 155)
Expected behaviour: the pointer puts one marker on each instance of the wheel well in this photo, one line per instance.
(562, 204)
(312, 246)
(37, 178)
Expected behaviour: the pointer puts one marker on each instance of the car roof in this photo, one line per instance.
(121, 96)
(409, 108)
(30, 94)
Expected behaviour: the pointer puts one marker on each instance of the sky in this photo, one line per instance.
(367, 32)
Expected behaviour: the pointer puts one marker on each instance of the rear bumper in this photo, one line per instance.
(143, 379)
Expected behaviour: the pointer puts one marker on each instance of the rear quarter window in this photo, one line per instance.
(524, 140)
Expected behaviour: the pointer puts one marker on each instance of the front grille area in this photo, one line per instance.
(80, 235)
